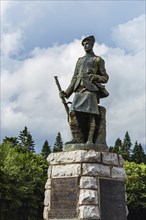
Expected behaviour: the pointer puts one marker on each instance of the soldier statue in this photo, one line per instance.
(86, 117)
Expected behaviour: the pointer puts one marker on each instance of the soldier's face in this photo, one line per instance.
(88, 46)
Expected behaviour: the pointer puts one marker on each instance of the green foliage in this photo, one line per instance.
(23, 176)
(117, 147)
(126, 147)
(46, 149)
(136, 184)
(12, 140)
(25, 140)
(58, 143)
(138, 155)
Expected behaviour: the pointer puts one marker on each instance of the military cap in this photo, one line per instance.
(90, 38)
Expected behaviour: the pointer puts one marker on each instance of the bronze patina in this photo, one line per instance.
(86, 117)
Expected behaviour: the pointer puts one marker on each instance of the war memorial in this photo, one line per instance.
(85, 181)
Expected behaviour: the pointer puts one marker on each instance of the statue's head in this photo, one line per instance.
(88, 43)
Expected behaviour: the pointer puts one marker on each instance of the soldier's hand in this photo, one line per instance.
(62, 94)
(93, 77)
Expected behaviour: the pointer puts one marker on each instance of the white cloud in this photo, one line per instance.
(29, 93)
(4, 6)
(30, 96)
(131, 36)
(12, 42)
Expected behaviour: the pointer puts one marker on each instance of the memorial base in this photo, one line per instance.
(84, 185)
(96, 147)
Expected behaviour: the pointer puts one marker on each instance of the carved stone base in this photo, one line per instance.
(83, 185)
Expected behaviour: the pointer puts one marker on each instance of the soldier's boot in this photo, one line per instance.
(92, 126)
(101, 134)
(77, 136)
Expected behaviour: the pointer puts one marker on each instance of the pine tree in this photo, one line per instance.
(58, 143)
(46, 149)
(117, 147)
(138, 155)
(25, 140)
(126, 147)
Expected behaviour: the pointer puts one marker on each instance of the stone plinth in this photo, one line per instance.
(82, 183)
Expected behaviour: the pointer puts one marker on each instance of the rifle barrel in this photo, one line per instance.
(62, 98)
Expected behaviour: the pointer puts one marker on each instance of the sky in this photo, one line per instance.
(42, 39)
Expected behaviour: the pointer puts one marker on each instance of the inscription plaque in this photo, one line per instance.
(64, 198)
(112, 199)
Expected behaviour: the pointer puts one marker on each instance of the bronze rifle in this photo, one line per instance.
(62, 98)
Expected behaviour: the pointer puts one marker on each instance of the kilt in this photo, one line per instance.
(85, 102)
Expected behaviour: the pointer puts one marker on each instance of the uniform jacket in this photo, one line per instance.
(86, 65)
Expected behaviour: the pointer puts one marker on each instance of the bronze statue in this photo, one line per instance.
(86, 117)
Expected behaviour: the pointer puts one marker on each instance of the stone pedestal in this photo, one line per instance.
(84, 185)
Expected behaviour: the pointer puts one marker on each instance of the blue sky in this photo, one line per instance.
(47, 22)
(41, 39)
